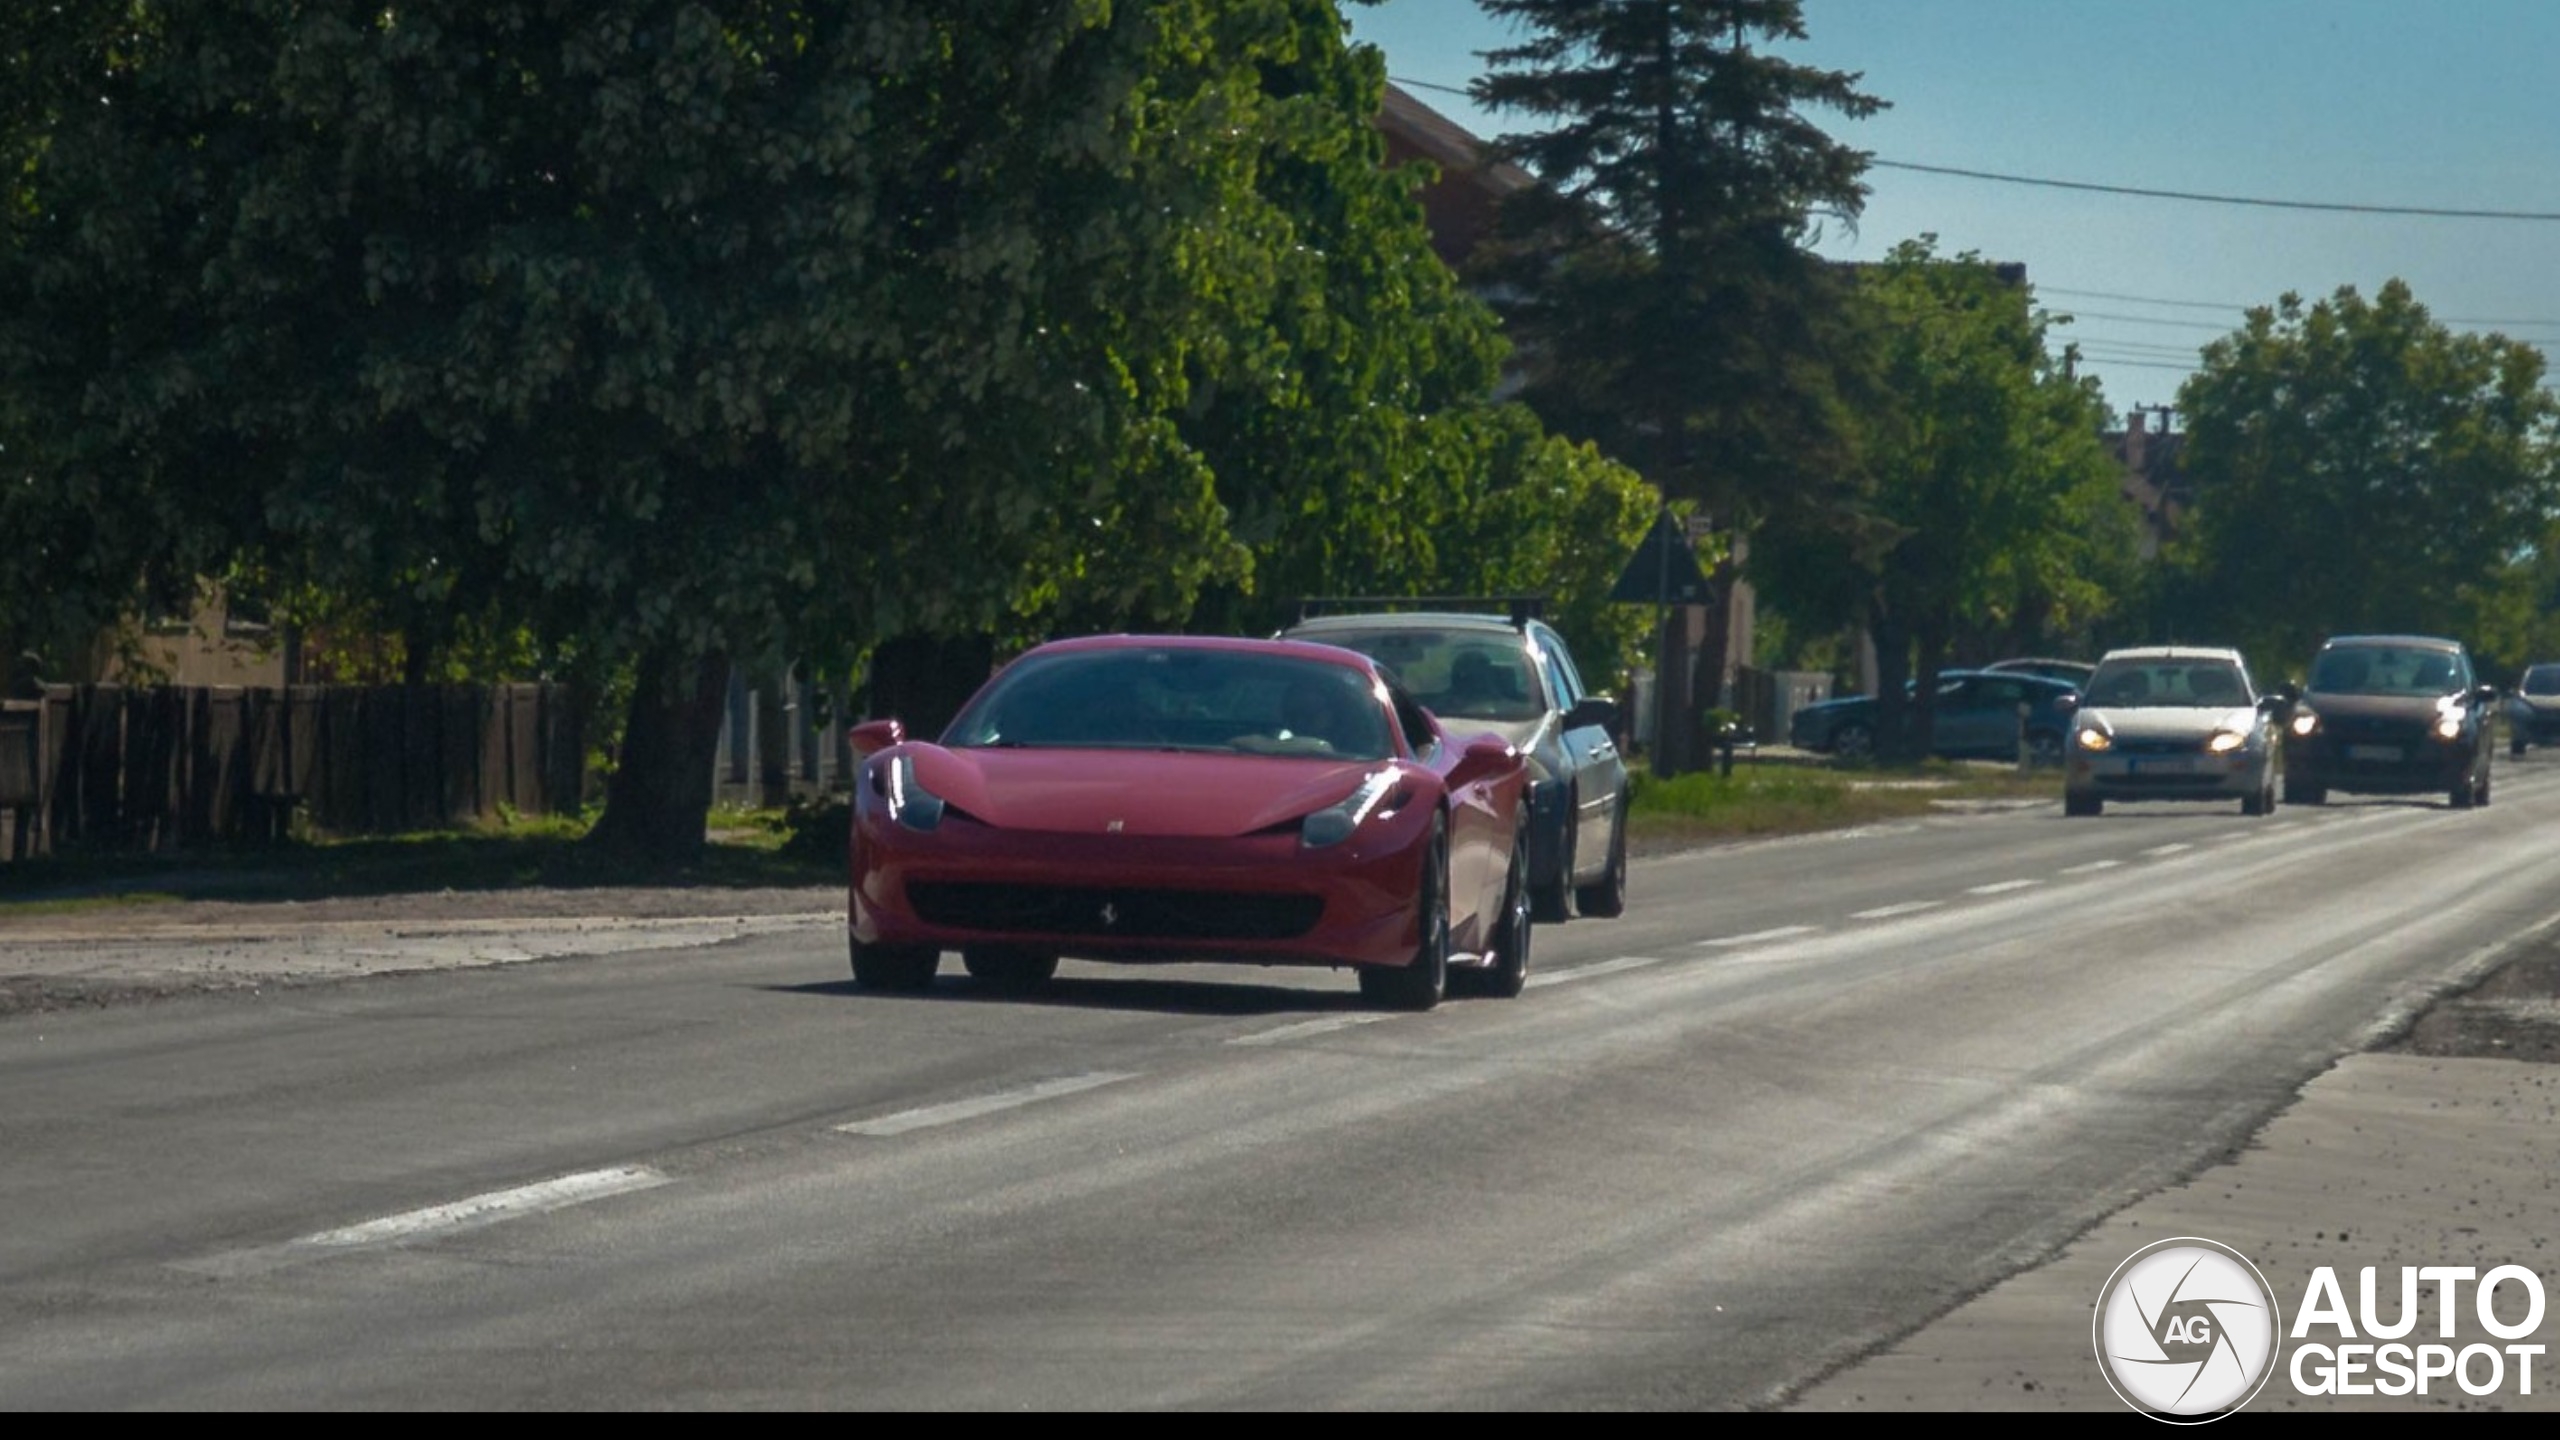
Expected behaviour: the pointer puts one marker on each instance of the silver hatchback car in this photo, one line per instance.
(2173, 722)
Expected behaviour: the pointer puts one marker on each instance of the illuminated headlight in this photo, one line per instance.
(2093, 739)
(1336, 823)
(2305, 720)
(2448, 727)
(910, 804)
(2224, 742)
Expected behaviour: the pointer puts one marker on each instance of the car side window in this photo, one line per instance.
(1563, 678)
(1414, 721)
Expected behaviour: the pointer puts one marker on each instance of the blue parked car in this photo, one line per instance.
(1977, 718)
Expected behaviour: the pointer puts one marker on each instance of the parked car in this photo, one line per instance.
(1977, 718)
(1515, 677)
(1151, 798)
(2075, 671)
(2390, 715)
(2533, 711)
(2173, 723)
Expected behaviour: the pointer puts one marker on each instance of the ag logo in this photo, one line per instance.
(2186, 1330)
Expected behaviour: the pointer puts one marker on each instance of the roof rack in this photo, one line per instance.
(1521, 608)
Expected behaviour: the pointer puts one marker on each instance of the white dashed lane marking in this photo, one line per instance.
(1592, 971)
(956, 1111)
(1887, 912)
(2168, 849)
(1305, 1028)
(2093, 865)
(2002, 887)
(471, 1214)
(1783, 932)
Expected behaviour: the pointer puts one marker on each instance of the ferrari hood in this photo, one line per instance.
(1135, 792)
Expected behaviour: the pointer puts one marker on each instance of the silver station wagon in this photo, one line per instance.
(2174, 722)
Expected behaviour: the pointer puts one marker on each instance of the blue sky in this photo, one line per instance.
(2452, 105)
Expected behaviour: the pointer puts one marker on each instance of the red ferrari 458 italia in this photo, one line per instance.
(1152, 798)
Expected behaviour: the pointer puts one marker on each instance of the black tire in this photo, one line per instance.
(2081, 806)
(2257, 804)
(2515, 749)
(1508, 975)
(2482, 798)
(1606, 897)
(1008, 967)
(1552, 903)
(1853, 742)
(2464, 795)
(898, 968)
(2297, 792)
(1421, 983)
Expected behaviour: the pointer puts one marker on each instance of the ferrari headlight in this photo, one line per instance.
(2224, 742)
(2305, 720)
(1335, 823)
(910, 804)
(2092, 738)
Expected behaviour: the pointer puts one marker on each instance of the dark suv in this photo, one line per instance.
(2390, 715)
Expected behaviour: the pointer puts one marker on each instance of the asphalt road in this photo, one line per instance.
(1806, 1096)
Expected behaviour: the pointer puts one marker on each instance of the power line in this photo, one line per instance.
(2196, 197)
(2191, 196)
(2224, 305)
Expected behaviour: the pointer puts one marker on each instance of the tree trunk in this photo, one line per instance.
(659, 798)
(1894, 727)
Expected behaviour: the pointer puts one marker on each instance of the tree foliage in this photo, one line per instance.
(1659, 274)
(659, 333)
(2360, 466)
(1982, 493)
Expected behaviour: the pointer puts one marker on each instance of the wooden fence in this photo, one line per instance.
(108, 768)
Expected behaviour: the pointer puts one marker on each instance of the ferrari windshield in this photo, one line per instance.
(2195, 684)
(2385, 670)
(1179, 698)
(1473, 674)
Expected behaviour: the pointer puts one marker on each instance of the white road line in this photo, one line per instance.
(1592, 971)
(2092, 865)
(2168, 849)
(2234, 835)
(2003, 887)
(1783, 932)
(535, 1199)
(1305, 1028)
(1887, 912)
(956, 1111)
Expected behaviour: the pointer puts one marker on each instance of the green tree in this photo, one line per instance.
(685, 335)
(2360, 466)
(1659, 279)
(1983, 493)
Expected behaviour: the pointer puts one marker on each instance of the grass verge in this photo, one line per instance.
(1764, 799)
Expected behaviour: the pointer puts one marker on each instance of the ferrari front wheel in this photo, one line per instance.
(1419, 983)
(894, 967)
